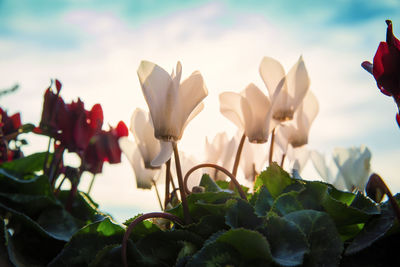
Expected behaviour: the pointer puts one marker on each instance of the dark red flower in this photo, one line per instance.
(386, 65)
(77, 125)
(53, 108)
(104, 147)
(8, 124)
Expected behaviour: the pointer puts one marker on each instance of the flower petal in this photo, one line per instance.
(164, 155)
(191, 92)
(272, 73)
(230, 107)
(155, 83)
(298, 83)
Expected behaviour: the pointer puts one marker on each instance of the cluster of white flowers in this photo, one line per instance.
(284, 117)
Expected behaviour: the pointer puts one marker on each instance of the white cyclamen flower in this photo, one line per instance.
(221, 151)
(354, 165)
(296, 132)
(327, 170)
(250, 111)
(293, 86)
(253, 160)
(143, 131)
(172, 104)
(144, 177)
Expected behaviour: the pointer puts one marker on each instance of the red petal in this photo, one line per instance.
(96, 117)
(58, 86)
(398, 119)
(122, 130)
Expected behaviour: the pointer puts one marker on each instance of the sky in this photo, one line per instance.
(95, 47)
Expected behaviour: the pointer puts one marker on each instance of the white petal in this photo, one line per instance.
(143, 131)
(194, 113)
(298, 83)
(272, 73)
(155, 82)
(191, 92)
(164, 155)
(301, 155)
(320, 166)
(230, 107)
(255, 110)
(144, 177)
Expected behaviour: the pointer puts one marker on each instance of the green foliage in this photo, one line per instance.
(285, 222)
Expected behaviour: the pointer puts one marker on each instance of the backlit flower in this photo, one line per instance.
(143, 131)
(354, 165)
(172, 103)
(145, 177)
(296, 132)
(220, 151)
(293, 86)
(250, 111)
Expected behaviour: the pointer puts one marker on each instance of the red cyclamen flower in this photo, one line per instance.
(78, 125)
(104, 147)
(8, 124)
(386, 66)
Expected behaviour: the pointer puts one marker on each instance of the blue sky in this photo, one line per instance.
(95, 47)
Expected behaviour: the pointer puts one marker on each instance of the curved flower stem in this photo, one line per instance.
(237, 160)
(283, 159)
(158, 194)
(238, 153)
(46, 159)
(180, 182)
(167, 180)
(211, 165)
(139, 219)
(271, 147)
(91, 184)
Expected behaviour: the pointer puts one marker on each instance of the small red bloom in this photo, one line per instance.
(53, 107)
(104, 147)
(9, 124)
(386, 65)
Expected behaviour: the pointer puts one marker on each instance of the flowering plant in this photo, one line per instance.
(279, 219)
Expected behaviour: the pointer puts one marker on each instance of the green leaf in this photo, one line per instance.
(59, 223)
(312, 195)
(83, 207)
(343, 214)
(36, 185)
(207, 225)
(250, 244)
(141, 229)
(275, 179)
(216, 254)
(4, 259)
(28, 164)
(288, 243)
(164, 247)
(264, 202)
(324, 241)
(30, 244)
(373, 230)
(209, 184)
(241, 214)
(207, 203)
(287, 203)
(87, 242)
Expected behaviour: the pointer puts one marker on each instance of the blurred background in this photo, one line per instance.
(94, 48)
